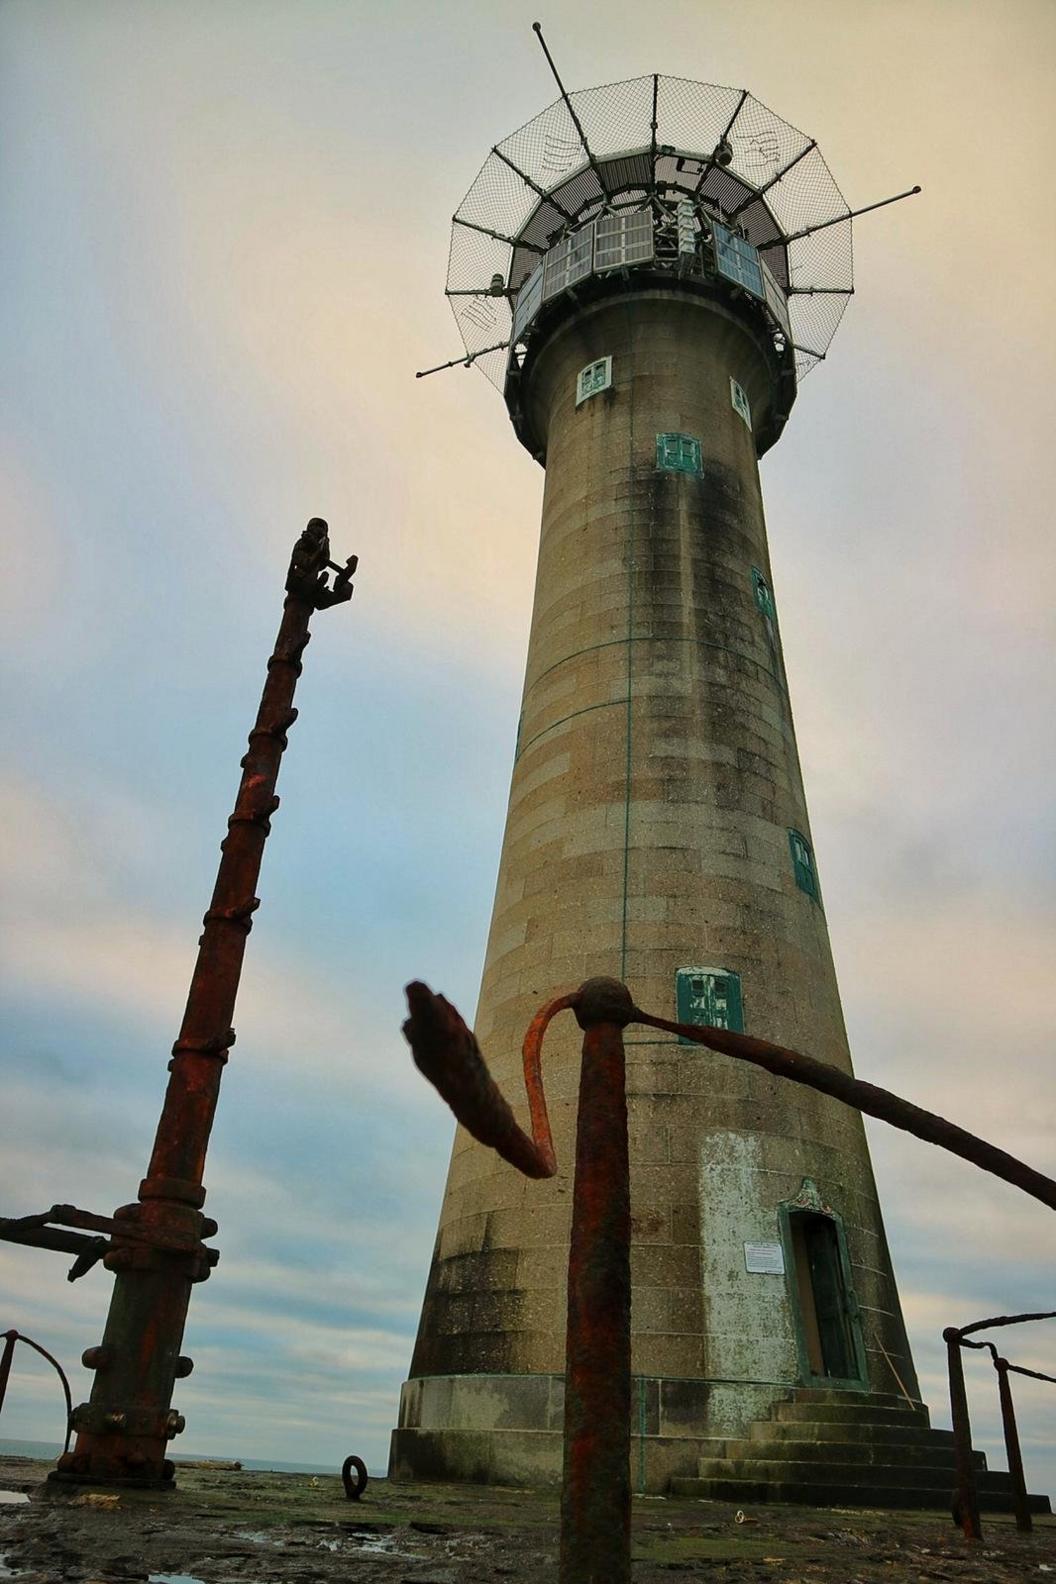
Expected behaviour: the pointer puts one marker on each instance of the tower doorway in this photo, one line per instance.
(829, 1334)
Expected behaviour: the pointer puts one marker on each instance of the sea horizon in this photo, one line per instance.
(50, 1450)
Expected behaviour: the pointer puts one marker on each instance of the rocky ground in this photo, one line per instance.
(239, 1527)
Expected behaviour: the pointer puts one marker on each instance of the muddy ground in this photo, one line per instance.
(240, 1527)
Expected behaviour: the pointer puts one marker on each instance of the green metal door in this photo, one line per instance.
(830, 1297)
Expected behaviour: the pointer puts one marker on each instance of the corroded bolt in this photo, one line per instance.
(175, 1423)
(184, 1366)
(97, 1358)
(115, 1420)
(603, 1001)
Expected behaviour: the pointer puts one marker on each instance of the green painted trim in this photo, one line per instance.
(690, 1380)
(641, 1379)
(733, 1015)
(678, 453)
(628, 765)
(605, 704)
(806, 873)
(764, 594)
(785, 1212)
(700, 643)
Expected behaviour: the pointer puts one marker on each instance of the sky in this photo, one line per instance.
(225, 242)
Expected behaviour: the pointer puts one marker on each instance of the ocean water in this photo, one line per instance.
(51, 1450)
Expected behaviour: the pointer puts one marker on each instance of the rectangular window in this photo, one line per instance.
(709, 997)
(623, 239)
(568, 261)
(529, 299)
(678, 453)
(776, 300)
(803, 864)
(763, 596)
(740, 402)
(687, 229)
(597, 376)
(738, 261)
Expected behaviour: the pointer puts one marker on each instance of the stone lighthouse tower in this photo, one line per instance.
(646, 270)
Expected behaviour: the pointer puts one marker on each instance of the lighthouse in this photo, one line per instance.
(646, 271)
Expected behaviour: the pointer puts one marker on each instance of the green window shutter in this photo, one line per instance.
(763, 595)
(740, 402)
(678, 453)
(595, 377)
(709, 997)
(803, 864)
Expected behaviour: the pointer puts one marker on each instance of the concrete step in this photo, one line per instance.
(917, 1453)
(821, 1493)
(878, 1476)
(850, 1413)
(903, 1429)
(830, 1394)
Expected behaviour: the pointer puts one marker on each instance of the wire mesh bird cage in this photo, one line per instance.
(642, 172)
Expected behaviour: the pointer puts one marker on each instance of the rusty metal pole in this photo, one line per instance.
(967, 1510)
(1012, 1449)
(10, 1338)
(596, 1495)
(123, 1432)
(596, 1488)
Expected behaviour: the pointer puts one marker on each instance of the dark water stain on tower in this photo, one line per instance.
(662, 261)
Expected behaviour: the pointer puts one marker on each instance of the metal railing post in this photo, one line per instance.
(1012, 1450)
(966, 1512)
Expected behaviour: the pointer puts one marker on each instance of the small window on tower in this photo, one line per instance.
(803, 864)
(740, 402)
(594, 378)
(709, 997)
(763, 595)
(678, 453)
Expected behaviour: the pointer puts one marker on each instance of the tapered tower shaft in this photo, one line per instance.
(658, 832)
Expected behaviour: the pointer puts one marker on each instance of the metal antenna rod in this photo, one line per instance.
(765, 188)
(537, 30)
(852, 214)
(464, 362)
(498, 236)
(540, 191)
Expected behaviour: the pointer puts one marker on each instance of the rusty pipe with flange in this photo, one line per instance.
(157, 1251)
